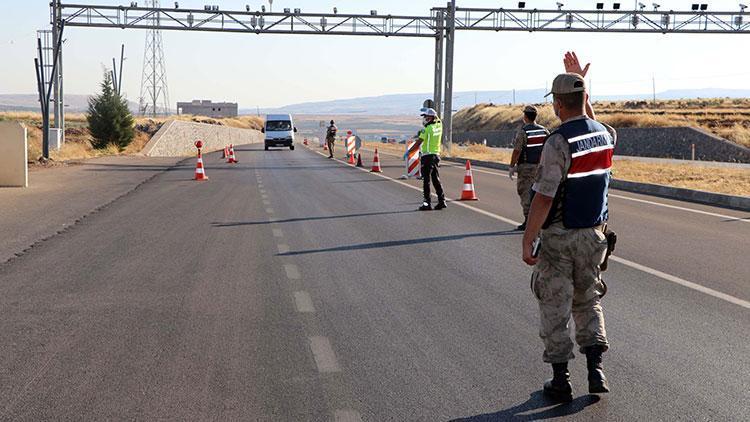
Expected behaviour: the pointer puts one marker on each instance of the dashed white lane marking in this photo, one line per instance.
(277, 233)
(345, 415)
(283, 248)
(623, 261)
(263, 196)
(263, 191)
(292, 272)
(303, 302)
(266, 202)
(643, 201)
(270, 210)
(323, 354)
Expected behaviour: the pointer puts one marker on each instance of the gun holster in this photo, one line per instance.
(611, 242)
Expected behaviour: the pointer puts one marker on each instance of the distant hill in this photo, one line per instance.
(27, 102)
(408, 104)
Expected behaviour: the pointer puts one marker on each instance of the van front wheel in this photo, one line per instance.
(291, 147)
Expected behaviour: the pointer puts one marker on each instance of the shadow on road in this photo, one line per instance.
(295, 220)
(393, 243)
(537, 407)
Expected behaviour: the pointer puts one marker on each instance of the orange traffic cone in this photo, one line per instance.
(231, 158)
(351, 159)
(468, 193)
(359, 160)
(376, 163)
(325, 147)
(200, 172)
(225, 153)
(305, 141)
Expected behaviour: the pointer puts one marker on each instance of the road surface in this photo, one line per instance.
(292, 287)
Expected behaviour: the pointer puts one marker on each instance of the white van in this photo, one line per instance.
(279, 130)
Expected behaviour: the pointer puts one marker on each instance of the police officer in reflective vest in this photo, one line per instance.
(429, 142)
(527, 149)
(570, 210)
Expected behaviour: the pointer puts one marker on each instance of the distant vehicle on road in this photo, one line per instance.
(279, 130)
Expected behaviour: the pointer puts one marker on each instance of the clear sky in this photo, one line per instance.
(274, 70)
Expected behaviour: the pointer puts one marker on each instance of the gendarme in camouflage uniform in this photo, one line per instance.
(566, 279)
(572, 180)
(527, 149)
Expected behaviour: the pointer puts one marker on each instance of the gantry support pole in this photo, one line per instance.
(437, 96)
(450, 32)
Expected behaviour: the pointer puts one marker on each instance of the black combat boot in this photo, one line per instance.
(441, 205)
(559, 388)
(425, 206)
(597, 380)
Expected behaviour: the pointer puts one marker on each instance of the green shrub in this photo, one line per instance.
(110, 121)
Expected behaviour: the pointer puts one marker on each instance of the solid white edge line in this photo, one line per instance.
(713, 214)
(623, 261)
(677, 280)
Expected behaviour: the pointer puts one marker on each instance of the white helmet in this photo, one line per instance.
(428, 112)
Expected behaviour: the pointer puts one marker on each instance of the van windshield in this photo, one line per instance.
(278, 125)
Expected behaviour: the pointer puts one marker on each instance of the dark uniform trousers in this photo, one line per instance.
(430, 173)
(330, 141)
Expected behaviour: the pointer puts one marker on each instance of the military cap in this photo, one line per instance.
(567, 83)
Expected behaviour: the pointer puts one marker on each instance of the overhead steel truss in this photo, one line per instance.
(638, 21)
(441, 25)
(245, 21)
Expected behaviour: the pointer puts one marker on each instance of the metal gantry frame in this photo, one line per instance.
(441, 25)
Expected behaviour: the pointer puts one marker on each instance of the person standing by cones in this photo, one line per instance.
(570, 211)
(527, 149)
(331, 137)
(429, 142)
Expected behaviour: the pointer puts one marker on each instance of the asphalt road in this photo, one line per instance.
(291, 287)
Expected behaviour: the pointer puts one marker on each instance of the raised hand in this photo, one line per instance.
(572, 65)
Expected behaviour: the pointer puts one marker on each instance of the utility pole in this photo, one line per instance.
(450, 34)
(514, 96)
(653, 87)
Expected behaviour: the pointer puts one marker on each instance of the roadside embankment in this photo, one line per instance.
(176, 138)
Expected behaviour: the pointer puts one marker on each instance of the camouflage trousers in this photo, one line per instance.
(566, 280)
(526, 174)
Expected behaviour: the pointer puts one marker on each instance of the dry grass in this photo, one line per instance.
(727, 118)
(712, 179)
(480, 152)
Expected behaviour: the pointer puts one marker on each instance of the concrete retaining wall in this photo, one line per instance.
(13, 155)
(672, 142)
(177, 138)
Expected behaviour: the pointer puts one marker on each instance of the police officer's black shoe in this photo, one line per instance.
(440, 205)
(559, 388)
(597, 381)
(425, 207)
